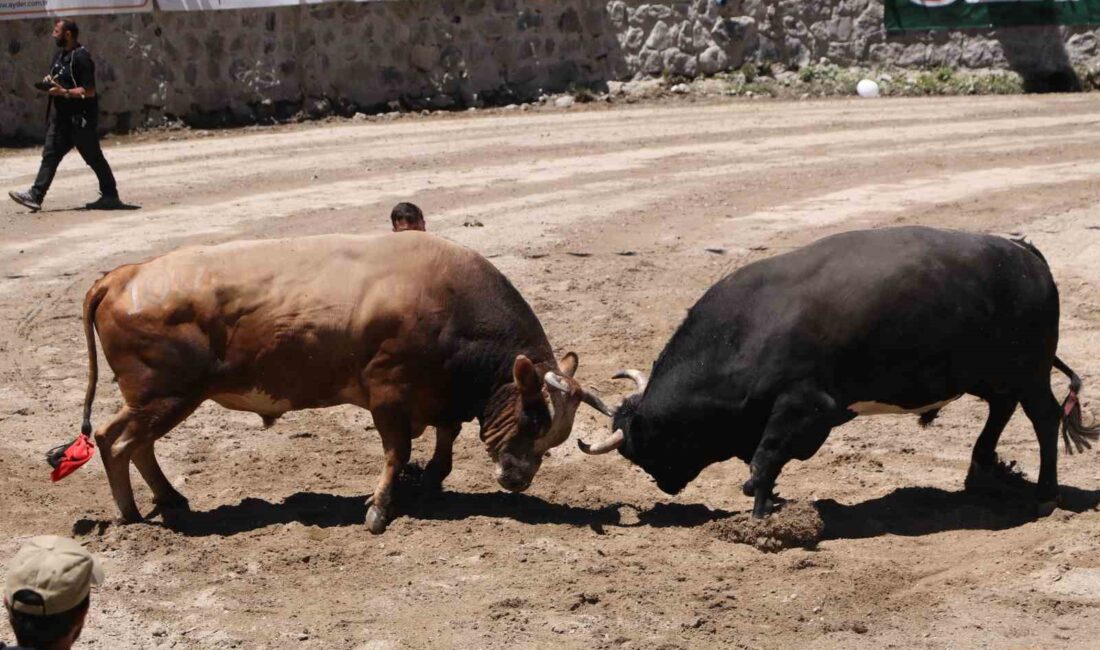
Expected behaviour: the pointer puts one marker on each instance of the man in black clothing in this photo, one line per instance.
(71, 86)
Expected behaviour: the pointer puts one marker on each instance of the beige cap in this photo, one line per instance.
(56, 568)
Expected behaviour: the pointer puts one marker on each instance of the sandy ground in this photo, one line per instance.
(607, 222)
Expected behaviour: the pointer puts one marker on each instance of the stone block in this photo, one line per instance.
(685, 37)
(424, 57)
(1082, 45)
(656, 11)
(700, 36)
(713, 60)
(651, 62)
(913, 56)
(660, 37)
(633, 39)
(679, 63)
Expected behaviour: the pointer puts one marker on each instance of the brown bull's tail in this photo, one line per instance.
(1073, 429)
(91, 303)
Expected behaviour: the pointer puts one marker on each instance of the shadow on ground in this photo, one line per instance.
(328, 511)
(307, 508)
(915, 511)
(910, 511)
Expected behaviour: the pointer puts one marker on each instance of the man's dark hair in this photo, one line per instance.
(70, 26)
(406, 213)
(42, 632)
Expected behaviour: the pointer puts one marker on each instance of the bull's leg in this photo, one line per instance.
(161, 417)
(115, 442)
(984, 468)
(397, 445)
(798, 425)
(130, 436)
(1044, 412)
(439, 467)
(165, 494)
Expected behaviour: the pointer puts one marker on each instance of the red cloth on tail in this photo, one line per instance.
(67, 459)
(1070, 403)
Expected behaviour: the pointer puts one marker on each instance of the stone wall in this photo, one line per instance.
(227, 66)
(254, 65)
(703, 37)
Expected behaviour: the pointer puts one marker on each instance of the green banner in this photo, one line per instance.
(914, 15)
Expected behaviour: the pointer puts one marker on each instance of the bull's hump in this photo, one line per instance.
(151, 290)
(407, 253)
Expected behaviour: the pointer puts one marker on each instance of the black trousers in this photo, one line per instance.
(64, 133)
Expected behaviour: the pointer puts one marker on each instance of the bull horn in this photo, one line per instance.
(595, 402)
(557, 382)
(602, 447)
(637, 375)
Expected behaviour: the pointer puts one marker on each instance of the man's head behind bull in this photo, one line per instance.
(407, 216)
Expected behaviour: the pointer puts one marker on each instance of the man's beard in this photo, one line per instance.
(60, 41)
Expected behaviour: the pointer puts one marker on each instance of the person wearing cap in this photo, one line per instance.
(47, 592)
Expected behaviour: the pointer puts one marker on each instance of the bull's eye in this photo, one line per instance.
(532, 421)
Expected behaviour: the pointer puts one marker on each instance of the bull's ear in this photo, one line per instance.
(527, 378)
(568, 364)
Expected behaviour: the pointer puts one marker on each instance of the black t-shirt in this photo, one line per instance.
(75, 70)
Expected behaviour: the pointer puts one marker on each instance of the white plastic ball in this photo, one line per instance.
(867, 88)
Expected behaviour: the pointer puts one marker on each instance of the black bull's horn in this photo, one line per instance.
(615, 440)
(637, 375)
(611, 443)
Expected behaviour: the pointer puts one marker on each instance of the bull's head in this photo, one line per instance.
(672, 458)
(525, 428)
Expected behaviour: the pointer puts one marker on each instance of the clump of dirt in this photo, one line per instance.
(998, 478)
(793, 524)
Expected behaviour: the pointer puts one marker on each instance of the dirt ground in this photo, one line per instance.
(611, 223)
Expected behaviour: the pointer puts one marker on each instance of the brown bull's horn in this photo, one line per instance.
(595, 402)
(559, 383)
(555, 381)
(602, 447)
(637, 375)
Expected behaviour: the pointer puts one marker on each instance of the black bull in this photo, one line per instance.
(896, 320)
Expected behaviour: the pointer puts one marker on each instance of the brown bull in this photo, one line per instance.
(420, 331)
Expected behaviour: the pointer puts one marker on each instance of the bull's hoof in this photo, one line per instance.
(748, 488)
(174, 502)
(131, 518)
(765, 509)
(995, 478)
(1046, 507)
(979, 480)
(376, 520)
(431, 483)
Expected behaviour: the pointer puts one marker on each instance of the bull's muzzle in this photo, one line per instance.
(515, 474)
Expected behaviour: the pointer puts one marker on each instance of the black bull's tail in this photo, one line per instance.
(1073, 430)
(91, 303)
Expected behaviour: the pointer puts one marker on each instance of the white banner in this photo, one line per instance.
(214, 5)
(20, 9)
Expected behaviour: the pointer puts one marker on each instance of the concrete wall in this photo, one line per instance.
(239, 66)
